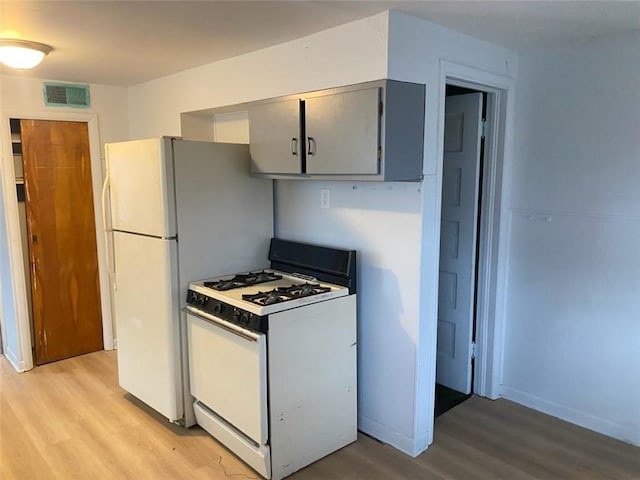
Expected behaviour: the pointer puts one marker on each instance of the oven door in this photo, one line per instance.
(228, 373)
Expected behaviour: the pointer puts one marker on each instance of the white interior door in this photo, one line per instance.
(460, 174)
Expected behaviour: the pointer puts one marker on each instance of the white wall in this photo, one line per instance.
(21, 97)
(348, 54)
(572, 343)
(423, 52)
(382, 222)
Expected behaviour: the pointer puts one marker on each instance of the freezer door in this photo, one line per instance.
(140, 175)
(147, 321)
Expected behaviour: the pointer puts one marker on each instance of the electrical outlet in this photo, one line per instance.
(325, 198)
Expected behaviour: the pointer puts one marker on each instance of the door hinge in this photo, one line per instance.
(473, 350)
(484, 128)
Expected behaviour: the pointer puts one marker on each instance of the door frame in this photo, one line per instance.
(23, 359)
(494, 215)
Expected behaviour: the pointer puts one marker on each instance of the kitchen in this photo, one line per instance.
(396, 287)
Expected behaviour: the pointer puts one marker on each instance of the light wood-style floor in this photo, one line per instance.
(70, 420)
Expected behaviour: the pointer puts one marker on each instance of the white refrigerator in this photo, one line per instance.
(178, 211)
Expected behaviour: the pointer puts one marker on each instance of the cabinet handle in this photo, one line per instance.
(294, 146)
(311, 144)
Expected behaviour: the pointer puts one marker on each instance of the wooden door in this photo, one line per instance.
(62, 239)
(460, 177)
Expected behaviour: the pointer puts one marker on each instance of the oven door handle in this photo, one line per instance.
(230, 327)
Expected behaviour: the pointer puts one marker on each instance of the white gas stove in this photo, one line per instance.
(272, 357)
(261, 292)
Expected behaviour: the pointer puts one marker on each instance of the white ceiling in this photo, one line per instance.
(126, 43)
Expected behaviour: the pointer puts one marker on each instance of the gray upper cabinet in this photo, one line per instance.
(369, 131)
(342, 133)
(274, 137)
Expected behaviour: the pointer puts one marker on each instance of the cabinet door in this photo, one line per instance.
(343, 132)
(274, 137)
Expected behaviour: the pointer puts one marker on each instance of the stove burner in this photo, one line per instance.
(243, 280)
(283, 294)
(303, 290)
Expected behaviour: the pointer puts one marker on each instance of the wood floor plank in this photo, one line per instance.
(479, 465)
(572, 449)
(19, 457)
(367, 459)
(70, 420)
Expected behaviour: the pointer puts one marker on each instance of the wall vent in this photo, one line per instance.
(66, 95)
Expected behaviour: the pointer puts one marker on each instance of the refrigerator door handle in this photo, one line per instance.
(107, 229)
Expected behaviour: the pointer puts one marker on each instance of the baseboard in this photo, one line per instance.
(387, 435)
(571, 415)
(15, 362)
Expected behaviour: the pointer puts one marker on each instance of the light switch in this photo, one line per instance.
(325, 198)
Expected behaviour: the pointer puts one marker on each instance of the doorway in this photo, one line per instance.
(460, 237)
(56, 195)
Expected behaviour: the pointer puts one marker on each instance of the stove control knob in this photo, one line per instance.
(217, 308)
(192, 297)
(203, 300)
(244, 318)
(236, 314)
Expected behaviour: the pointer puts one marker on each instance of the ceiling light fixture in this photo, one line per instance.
(22, 53)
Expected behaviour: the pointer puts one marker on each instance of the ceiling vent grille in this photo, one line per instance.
(66, 95)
